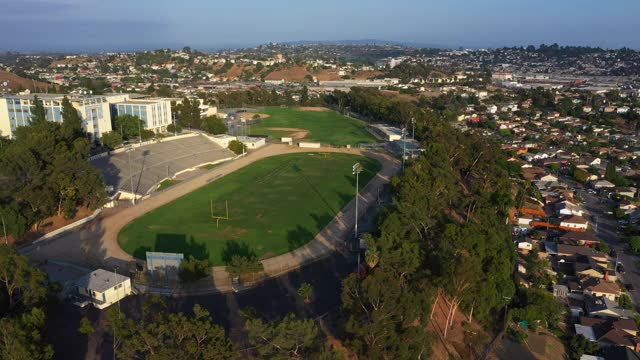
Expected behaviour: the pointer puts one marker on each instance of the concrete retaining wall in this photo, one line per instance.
(68, 227)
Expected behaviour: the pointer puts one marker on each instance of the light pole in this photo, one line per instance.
(404, 148)
(131, 175)
(357, 169)
(139, 132)
(413, 128)
(175, 131)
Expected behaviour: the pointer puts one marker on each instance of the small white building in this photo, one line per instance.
(104, 288)
(222, 139)
(251, 142)
(386, 133)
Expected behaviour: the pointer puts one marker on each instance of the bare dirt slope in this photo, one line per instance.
(16, 82)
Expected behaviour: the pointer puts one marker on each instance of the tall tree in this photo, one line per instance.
(213, 125)
(21, 337)
(129, 126)
(23, 284)
(71, 118)
(160, 335)
(304, 95)
(189, 113)
(38, 112)
(290, 338)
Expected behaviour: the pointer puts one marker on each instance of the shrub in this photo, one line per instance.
(111, 140)
(237, 147)
(193, 269)
(174, 128)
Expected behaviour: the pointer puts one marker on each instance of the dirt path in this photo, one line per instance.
(313, 108)
(95, 244)
(295, 133)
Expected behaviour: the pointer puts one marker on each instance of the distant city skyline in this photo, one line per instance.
(94, 25)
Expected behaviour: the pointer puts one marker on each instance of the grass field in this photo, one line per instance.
(167, 184)
(326, 127)
(275, 205)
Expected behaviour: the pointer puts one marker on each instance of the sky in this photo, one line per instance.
(102, 25)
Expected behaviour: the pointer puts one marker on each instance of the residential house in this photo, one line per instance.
(627, 206)
(104, 288)
(600, 287)
(603, 184)
(573, 222)
(566, 207)
(619, 353)
(609, 332)
(626, 191)
(602, 307)
(524, 220)
(580, 238)
(561, 291)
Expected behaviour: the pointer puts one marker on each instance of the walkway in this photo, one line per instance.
(95, 244)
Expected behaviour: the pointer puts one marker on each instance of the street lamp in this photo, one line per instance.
(357, 169)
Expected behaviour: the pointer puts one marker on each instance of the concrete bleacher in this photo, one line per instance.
(152, 163)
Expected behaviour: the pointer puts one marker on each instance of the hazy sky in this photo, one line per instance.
(207, 24)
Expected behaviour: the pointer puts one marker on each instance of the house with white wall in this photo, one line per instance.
(104, 288)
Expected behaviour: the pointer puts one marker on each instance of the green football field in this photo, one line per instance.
(275, 205)
(327, 127)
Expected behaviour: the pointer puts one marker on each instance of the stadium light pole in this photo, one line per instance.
(131, 175)
(357, 169)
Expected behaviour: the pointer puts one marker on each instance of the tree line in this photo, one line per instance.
(444, 235)
(44, 171)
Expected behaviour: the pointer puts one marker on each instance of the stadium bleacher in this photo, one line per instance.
(152, 163)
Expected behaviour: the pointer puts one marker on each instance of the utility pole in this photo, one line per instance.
(131, 175)
(357, 169)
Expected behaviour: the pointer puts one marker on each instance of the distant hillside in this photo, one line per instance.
(289, 73)
(17, 83)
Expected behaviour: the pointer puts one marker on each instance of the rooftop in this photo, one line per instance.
(101, 280)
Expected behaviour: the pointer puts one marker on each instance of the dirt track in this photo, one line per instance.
(95, 244)
(295, 132)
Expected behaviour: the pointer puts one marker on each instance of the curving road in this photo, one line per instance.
(95, 244)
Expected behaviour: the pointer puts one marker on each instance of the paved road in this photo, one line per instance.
(605, 226)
